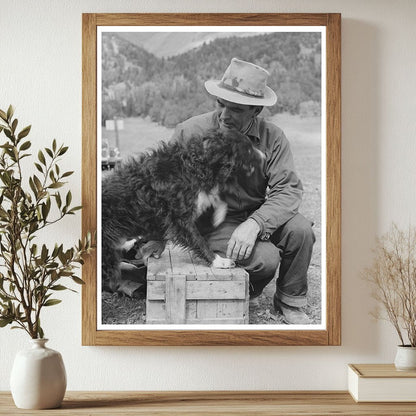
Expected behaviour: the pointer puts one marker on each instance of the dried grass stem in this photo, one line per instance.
(393, 276)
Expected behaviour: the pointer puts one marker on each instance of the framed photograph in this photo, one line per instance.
(211, 172)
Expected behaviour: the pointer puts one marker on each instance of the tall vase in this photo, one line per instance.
(38, 377)
(405, 358)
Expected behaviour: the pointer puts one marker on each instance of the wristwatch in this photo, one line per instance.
(265, 236)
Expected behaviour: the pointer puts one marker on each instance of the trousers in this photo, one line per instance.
(287, 253)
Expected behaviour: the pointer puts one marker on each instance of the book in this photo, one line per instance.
(381, 383)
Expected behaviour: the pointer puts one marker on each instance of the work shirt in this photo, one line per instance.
(272, 194)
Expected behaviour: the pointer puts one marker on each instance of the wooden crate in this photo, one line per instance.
(182, 290)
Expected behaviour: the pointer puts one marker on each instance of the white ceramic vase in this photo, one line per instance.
(405, 358)
(38, 377)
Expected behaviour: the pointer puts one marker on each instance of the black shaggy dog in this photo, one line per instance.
(160, 194)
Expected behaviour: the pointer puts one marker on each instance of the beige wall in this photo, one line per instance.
(40, 73)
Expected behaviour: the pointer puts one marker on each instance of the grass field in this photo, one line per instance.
(138, 135)
(304, 134)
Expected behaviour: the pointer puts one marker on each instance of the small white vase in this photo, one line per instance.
(405, 358)
(38, 377)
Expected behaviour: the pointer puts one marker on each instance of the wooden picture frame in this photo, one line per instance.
(330, 334)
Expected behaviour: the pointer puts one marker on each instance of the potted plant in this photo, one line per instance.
(393, 277)
(31, 273)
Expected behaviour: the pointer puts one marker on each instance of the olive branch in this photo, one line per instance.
(31, 273)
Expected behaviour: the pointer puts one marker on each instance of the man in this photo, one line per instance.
(260, 231)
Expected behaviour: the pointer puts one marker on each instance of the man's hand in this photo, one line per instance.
(242, 240)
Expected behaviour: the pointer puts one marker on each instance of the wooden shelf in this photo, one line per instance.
(178, 403)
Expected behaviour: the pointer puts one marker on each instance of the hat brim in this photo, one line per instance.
(214, 88)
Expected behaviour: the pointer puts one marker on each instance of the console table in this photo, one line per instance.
(222, 403)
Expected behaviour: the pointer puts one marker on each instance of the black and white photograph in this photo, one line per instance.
(211, 188)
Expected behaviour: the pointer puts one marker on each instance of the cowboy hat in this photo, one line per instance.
(243, 83)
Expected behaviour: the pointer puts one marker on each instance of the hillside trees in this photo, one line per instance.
(170, 90)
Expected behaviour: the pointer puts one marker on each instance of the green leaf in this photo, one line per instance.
(60, 250)
(34, 249)
(37, 182)
(55, 251)
(25, 145)
(40, 331)
(10, 112)
(63, 150)
(62, 257)
(3, 115)
(44, 253)
(68, 199)
(56, 185)
(77, 208)
(58, 199)
(59, 287)
(24, 132)
(76, 279)
(5, 321)
(14, 125)
(33, 187)
(8, 133)
(34, 226)
(41, 157)
(54, 145)
(39, 167)
(51, 302)
(67, 174)
(45, 211)
(49, 152)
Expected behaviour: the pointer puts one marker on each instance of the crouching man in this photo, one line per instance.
(263, 231)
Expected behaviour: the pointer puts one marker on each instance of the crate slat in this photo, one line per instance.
(206, 309)
(199, 289)
(215, 290)
(175, 298)
(183, 290)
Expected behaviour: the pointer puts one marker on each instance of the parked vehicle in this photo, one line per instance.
(110, 156)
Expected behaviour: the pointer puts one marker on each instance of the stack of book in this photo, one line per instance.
(381, 383)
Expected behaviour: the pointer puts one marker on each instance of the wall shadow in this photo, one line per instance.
(360, 180)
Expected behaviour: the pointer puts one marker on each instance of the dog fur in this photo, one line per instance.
(160, 194)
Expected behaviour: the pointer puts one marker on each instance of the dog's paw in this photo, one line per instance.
(153, 248)
(222, 263)
(128, 245)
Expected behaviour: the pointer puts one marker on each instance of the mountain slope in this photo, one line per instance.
(169, 90)
(167, 44)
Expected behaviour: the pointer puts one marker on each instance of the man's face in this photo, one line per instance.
(235, 116)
